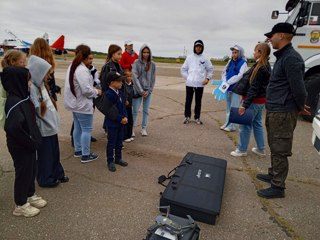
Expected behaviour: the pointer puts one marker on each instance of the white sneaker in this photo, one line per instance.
(26, 210)
(258, 152)
(37, 201)
(132, 139)
(227, 129)
(127, 140)
(238, 153)
(144, 132)
(198, 121)
(133, 134)
(222, 127)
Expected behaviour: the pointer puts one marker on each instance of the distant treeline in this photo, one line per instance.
(102, 55)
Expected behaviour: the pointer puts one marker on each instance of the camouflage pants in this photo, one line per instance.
(280, 127)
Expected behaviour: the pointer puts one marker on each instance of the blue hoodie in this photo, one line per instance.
(234, 69)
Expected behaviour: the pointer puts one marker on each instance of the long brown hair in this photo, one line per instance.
(41, 48)
(82, 53)
(149, 59)
(264, 49)
(113, 48)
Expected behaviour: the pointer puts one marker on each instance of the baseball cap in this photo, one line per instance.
(128, 42)
(235, 48)
(281, 28)
(114, 76)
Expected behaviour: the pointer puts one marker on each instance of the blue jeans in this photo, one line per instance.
(136, 103)
(245, 130)
(233, 100)
(82, 132)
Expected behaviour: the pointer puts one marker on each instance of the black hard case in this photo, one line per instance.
(196, 188)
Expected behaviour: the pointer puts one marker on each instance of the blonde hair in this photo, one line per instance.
(11, 58)
(264, 49)
(41, 48)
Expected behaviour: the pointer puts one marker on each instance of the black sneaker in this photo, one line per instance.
(271, 192)
(264, 177)
(77, 154)
(186, 120)
(64, 179)
(89, 158)
(122, 163)
(112, 167)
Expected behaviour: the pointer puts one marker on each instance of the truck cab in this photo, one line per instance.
(305, 16)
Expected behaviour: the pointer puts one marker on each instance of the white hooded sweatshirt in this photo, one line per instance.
(196, 69)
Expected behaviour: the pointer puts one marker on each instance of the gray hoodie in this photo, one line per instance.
(48, 123)
(142, 80)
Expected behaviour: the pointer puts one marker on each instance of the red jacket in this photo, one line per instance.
(127, 60)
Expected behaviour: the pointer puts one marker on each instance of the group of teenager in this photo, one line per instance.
(281, 90)
(29, 116)
(127, 80)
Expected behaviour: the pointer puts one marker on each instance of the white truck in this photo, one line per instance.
(305, 16)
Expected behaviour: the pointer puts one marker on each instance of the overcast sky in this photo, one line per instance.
(167, 26)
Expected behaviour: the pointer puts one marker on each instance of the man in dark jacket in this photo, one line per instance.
(286, 96)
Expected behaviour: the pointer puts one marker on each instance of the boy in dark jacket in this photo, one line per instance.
(129, 95)
(116, 119)
(23, 138)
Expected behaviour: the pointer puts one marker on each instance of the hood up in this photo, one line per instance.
(15, 81)
(198, 42)
(240, 49)
(140, 52)
(38, 68)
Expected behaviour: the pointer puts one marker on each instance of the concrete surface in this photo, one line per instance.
(98, 204)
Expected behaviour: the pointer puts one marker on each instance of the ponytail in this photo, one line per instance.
(82, 53)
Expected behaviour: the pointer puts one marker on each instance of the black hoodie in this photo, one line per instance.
(20, 125)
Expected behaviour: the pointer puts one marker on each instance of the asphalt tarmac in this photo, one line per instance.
(99, 204)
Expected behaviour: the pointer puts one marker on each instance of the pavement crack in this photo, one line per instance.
(282, 223)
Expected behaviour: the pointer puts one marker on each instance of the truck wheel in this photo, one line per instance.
(312, 84)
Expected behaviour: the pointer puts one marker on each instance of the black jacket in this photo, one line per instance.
(110, 66)
(286, 91)
(20, 126)
(129, 93)
(258, 86)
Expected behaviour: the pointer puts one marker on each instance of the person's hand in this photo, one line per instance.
(124, 120)
(127, 103)
(305, 111)
(241, 110)
(205, 82)
(145, 94)
(99, 92)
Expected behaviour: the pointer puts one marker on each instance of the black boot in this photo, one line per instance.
(264, 177)
(271, 192)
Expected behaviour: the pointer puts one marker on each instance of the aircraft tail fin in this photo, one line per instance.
(59, 43)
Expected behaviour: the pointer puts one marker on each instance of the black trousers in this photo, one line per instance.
(25, 168)
(189, 96)
(49, 168)
(128, 127)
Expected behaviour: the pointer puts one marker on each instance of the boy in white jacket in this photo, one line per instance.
(197, 70)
